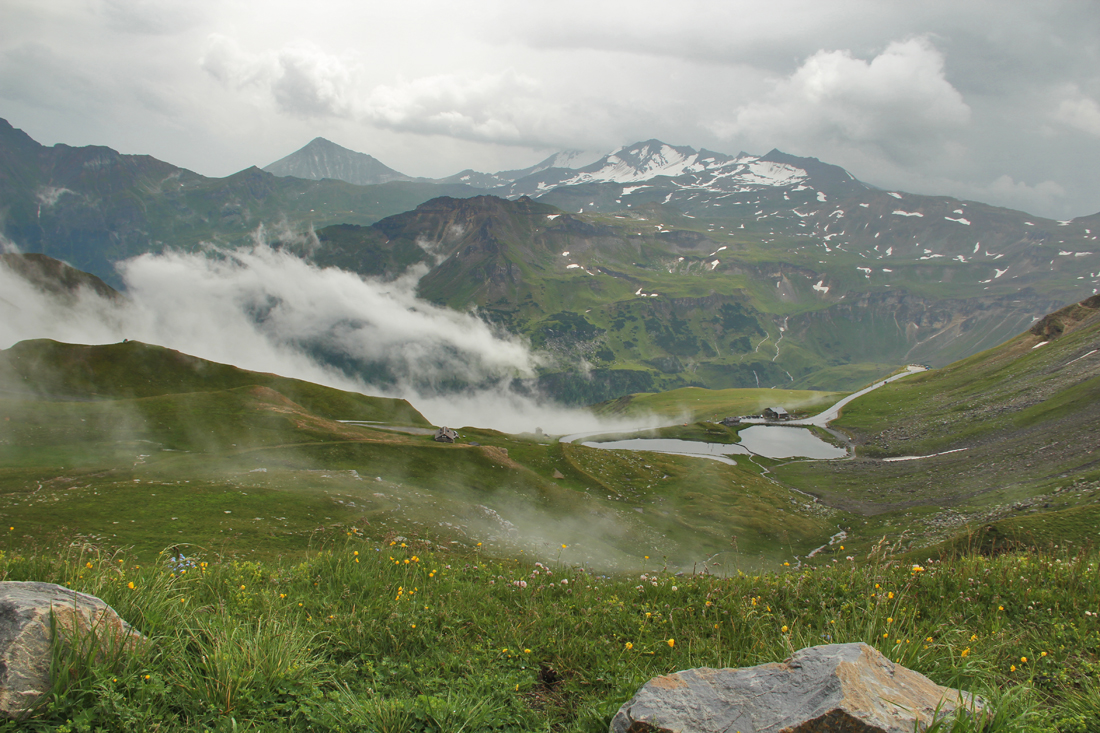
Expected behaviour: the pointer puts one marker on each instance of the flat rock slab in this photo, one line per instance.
(25, 629)
(835, 688)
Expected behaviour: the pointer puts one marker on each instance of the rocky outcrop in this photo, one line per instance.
(25, 636)
(836, 688)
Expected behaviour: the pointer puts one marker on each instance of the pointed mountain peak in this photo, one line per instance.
(321, 158)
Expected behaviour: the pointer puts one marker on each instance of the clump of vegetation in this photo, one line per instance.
(399, 635)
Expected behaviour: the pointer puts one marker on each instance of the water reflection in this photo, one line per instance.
(770, 441)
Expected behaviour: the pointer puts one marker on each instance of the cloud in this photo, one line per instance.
(152, 17)
(1079, 111)
(897, 101)
(267, 310)
(305, 81)
(1021, 195)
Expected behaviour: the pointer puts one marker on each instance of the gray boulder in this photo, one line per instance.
(25, 629)
(835, 688)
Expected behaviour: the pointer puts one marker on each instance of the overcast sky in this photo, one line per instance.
(994, 101)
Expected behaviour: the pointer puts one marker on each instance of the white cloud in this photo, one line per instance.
(1080, 112)
(269, 311)
(1020, 195)
(894, 101)
(306, 81)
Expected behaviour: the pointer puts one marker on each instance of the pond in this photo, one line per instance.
(770, 441)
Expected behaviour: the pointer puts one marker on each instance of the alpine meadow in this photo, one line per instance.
(353, 449)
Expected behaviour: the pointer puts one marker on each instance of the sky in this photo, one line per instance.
(991, 101)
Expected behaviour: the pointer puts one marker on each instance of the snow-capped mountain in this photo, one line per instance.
(686, 172)
(567, 159)
(321, 158)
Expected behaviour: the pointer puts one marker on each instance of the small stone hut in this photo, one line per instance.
(445, 435)
(776, 413)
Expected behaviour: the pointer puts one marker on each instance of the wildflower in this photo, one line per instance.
(917, 569)
(786, 564)
(130, 585)
(1042, 654)
(671, 643)
(1012, 668)
(88, 564)
(784, 629)
(414, 626)
(884, 636)
(889, 620)
(564, 546)
(629, 646)
(675, 588)
(282, 595)
(478, 544)
(242, 587)
(965, 652)
(1023, 660)
(973, 637)
(890, 594)
(1000, 608)
(356, 552)
(526, 651)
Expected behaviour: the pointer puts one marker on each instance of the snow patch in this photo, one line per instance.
(821, 197)
(960, 220)
(895, 195)
(899, 212)
(821, 287)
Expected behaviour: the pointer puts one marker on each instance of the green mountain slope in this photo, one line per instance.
(134, 444)
(45, 369)
(1009, 433)
(650, 299)
(92, 206)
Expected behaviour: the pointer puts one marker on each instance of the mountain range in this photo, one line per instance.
(653, 267)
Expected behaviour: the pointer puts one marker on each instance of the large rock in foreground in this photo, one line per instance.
(836, 688)
(25, 629)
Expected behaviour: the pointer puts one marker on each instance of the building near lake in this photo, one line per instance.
(776, 413)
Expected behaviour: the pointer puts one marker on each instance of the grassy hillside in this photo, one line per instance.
(51, 370)
(694, 403)
(141, 446)
(652, 300)
(1008, 434)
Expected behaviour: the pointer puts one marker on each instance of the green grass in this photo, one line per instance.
(49, 369)
(388, 633)
(696, 403)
